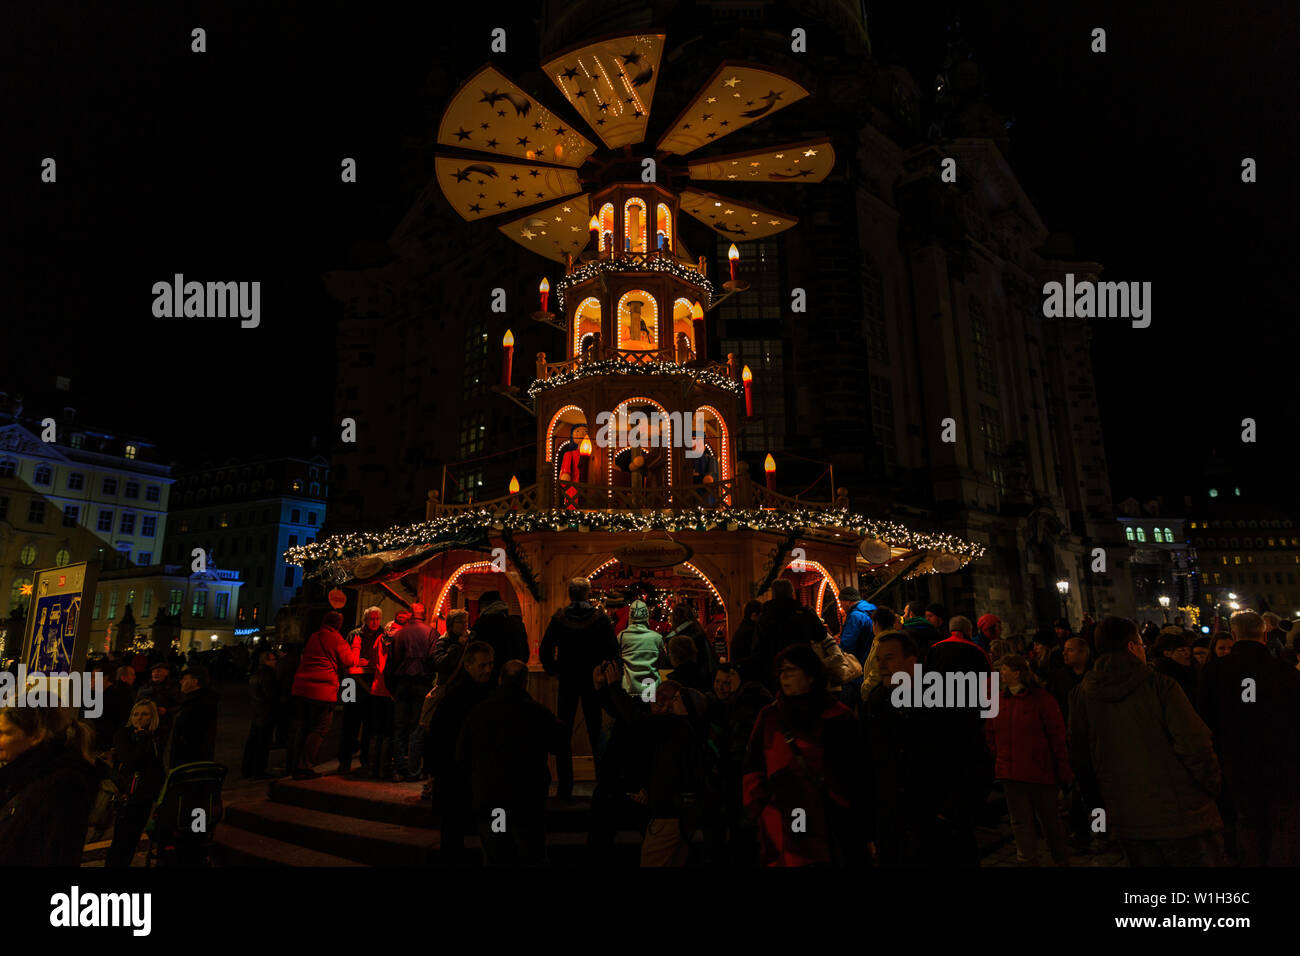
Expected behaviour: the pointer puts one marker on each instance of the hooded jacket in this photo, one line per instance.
(46, 794)
(506, 634)
(857, 634)
(577, 638)
(644, 653)
(383, 647)
(1136, 740)
(1027, 739)
(504, 746)
(782, 622)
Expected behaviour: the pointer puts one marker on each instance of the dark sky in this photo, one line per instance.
(224, 166)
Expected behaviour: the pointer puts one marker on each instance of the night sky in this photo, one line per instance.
(225, 166)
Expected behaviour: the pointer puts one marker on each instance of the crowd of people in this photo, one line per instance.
(786, 746)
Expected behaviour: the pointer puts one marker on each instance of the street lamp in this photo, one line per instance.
(1164, 606)
(1063, 589)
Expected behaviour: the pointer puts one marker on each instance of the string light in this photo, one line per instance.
(619, 367)
(590, 270)
(319, 558)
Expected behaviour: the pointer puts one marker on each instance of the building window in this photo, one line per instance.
(43, 475)
(144, 559)
(105, 522)
(1142, 535)
(108, 486)
(27, 557)
(4, 507)
(132, 489)
(873, 311)
(1128, 533)
(130, 451)
(255, 609)
(311, 518)
(991, 428)
(760, 262)
(239, 614)
(1169, 536)
(222, 606)
(152, 493)
(98, 606)
(76, 481)
(112, 605)
(1158, 535)
(146, 603)
(765, 359)
(8, 468)
(985, 380)
(71, 514)
(295, 516)
(199, 606)
(36, 512)
(78, 440)
(288, 576)
(475, 369)
(293, 541)
(174, 598)
(126, 524)
(472, 435)
(148, 525)
(297, 485)
(17, 599)
(62, 557)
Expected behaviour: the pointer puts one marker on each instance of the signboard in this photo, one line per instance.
(653, 554)
(58, 619)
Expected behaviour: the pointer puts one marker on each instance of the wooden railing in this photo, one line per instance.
(634, 357)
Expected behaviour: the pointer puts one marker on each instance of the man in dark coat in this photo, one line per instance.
(1141, 752)
(194, 737)
(165, 692)
(503, 750)
(264, 696)
(503, 630)
(451, 782)
(119, 698)
(744, 641)
(917, 626)
(578, 638)
(407, 676)
(928, 769)
(1252, 706)
(782, 622)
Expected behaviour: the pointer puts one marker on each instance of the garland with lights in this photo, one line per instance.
(620, 367)
(318, 559)
(778, 559)
(595, 267)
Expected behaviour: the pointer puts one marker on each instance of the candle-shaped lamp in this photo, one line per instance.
(593, 225)
(769, 467)
(733, 256)
(508, 358)
(747, 377)
(514, 485)
(545, 290)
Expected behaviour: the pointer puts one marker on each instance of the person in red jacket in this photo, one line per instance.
(1027, 738)
(381, 707)
(315, 689)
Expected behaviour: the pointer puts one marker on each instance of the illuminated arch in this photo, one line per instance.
(634, 227)
(724, 440)
(625, 341)
(614, 448)
(664, 227)
(583, 311)
(826, 579)
(713, 589)
(607, 227)
(456, 576)
(550, 429)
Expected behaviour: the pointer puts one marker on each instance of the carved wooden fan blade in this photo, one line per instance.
(611, 83)
(736, 95)
(740, 220)
(478, 188)
(555, 230)
(807, 162)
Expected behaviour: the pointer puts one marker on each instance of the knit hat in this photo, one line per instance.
(640, 613)
(850, 594)
(986, 622)
(489, 597)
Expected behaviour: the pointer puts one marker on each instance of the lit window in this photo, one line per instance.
(43, 476)
(1142, 535)
(8, 468)
(1169, 536)
(27, 556)
(146, 604)
(99, 601)
(1158, 535)
(1128, 533)
(76, 481)
(1214, 492)
(62, 557)
(200, 604)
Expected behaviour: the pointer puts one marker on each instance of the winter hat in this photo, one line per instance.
(640, 613)
(850, 594)
(986, 622)
(489, 597)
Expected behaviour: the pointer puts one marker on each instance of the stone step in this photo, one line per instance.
(369, 842)
(239, 847)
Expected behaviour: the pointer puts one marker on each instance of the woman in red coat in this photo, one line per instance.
(1027, 738)
(802, 770)
(315, 689)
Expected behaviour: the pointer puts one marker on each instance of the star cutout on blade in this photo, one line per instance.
(711, 135)
(541, 195)
(523, 140)
(725, 123)
(774, 222)
(712, 99)
(462, 134)
(534, 173)
(686, 126)
(561, 131)
(780, 155)
(570, 73)
(475, 207)
(501, 112)
(492, 144)
(514, 177)
(484, 126)
(568, 209)
(731, 82)
(580, 94)
(500, 205)
(600, 122)
(537, 126)
(527, 234)
(638, 114)
(461, 175)
(706, 117)
(519, 192)
(604, 107)
(811, 152)
(632, 57)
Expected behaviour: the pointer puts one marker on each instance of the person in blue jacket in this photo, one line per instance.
(855, 638)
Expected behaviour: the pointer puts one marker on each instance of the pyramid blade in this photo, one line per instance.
(480, 188)
(807, 162)
(611, 83)
(736, 95)
(743, 221)
(492, 114)
(555, 230)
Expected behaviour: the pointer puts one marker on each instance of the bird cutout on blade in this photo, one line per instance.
(740, 220)
(611, 83)
(491, 114)
(477, 190)
(734, 97)
(555, 230)
(807, 162)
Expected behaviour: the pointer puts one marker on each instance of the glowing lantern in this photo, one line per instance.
(507, 360)
(733, 256)
(514, 485)
(545, 290)
(747, 377)
(769, 466)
